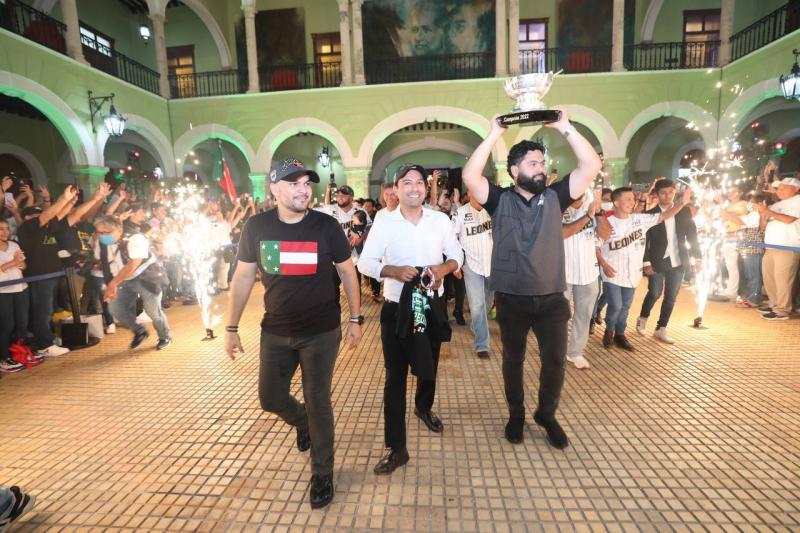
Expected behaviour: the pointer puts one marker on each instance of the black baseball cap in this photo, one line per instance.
(289, 170)
(405, 169)
(346, 189)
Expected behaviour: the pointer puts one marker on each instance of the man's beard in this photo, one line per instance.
(344, 205)
(533, 184)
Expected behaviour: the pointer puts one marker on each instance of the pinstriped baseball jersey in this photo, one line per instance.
(624, 250)
(579, 250)
(344, 218)
(473, 229)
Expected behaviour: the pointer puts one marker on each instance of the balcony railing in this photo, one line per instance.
(430, 68)
(671, 56)
(217, 83)
(772, 27)
(32, 24)
(134, 72)
(575, 60)
(304, 76)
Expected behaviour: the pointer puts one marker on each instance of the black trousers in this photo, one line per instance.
(395, 361)
(547, 316)
(457, 289)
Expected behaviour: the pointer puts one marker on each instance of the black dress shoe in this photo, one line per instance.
(555, 435)
(139, 338)
(303, 439)
(391, 461)
(431, 420)
(321, 492)
(460, 319)
(514, 429)
(623, 343)
(608, 338)
(483, 354)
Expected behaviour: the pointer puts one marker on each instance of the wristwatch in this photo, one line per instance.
(357, 319)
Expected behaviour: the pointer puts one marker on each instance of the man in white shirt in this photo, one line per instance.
(780, 264)
(581, 269)
(621, 259)
(401, 243)
(473, 227)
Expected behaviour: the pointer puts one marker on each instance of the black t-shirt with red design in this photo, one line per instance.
(297, 270)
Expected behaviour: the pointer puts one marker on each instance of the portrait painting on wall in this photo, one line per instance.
(412, 28)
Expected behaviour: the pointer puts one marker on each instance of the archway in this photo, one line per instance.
(657, 147)
(299, 126)
(132, 159)
(17, 158)
(204, 156)
(768, 132)
(307, 147)
(198, 134)
(560, 158)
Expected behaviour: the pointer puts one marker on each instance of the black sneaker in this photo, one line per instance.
(23, 502)
(555, 435)
(303, 439)
(321, 492)
(514, 429)
(138, 338)
(460, 319)
(163, 343)
(774, 316)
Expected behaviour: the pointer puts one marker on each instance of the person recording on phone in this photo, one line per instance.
(528, 272)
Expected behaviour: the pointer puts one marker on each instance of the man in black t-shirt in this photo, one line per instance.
(528, 265)
(296, 250)
(38, 241)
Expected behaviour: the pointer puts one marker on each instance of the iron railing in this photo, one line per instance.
(772, 27)
(303, 76)
(218, 83)
(32, 24)
(671, 56)
(134, 72)
(430, 68)
(573, 60)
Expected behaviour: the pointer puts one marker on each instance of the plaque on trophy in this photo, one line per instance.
(527, 91)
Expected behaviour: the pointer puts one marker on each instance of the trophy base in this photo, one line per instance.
(528, 117)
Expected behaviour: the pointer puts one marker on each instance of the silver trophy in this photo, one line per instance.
(527, 91)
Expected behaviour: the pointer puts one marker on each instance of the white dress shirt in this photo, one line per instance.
(395, 241)
(672, 252)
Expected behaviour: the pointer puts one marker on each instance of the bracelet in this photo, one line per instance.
(232, 329)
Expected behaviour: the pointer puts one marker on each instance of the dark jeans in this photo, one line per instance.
(14, 307)
(98, 288)
(455, 288)
(43, 294)
(395, 362)
(316, 356)
(547, 316)
(753, 278)
(670, 280)
(375, 285)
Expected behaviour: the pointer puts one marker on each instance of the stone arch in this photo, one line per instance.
(428, 143)
(408, 117)
(72, 129)
(209, 22)
(650, 18)
(738, 112)
(196, 135)
(37, 170)
(790, 135)
(686, 110)
(686, 148)
(287, 128)
(594, 121)
(654, 140)
(149, 132)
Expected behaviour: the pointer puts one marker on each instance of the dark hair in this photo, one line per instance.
(369, 200)
(616, 193)
(662, 183)
(519, 150)
(361, 216)
(605, 191)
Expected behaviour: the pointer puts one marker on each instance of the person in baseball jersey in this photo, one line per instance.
(473, 227)
(621, 259)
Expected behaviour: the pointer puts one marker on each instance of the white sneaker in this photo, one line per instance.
(579, 362)
(143, 318)
(53, 351)
(661, 334)
(111, 328)
(641, 325)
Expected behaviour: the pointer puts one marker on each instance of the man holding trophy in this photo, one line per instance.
(528, 250)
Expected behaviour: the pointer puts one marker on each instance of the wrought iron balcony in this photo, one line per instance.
(303, 76)
(217, 83)
(772, 27)
(32, 24)
(430, 68)
(572, 60)
(671, 56)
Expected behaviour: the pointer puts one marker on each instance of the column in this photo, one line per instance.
(259, 184)
(501, 39)
(161, 53)
(69, 11)
(513, 37)
(344, 39)
(502, 177)
(725, 31)
(615, 169)
(89, 178)
(252, 53)
(618, 36)
(358, 179)
(358, 43)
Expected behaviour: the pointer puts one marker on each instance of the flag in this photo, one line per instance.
(222, 175)
(289, 258)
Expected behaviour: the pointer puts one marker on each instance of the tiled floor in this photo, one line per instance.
(702, 435)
